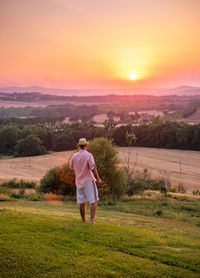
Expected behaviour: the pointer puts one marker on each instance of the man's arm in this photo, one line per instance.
(96, 174)
(71, 164)
(92, 166)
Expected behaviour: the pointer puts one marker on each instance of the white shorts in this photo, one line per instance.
(88, 193)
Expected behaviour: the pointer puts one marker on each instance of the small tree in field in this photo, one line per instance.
(130, 140)
(113, 177)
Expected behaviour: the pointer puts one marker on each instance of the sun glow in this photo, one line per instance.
(133, 75)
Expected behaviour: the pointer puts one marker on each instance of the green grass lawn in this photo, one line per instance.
(43, 239)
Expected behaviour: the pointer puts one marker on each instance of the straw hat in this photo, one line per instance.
(83, 142)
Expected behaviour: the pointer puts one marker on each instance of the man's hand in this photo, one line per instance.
(99, 181)
(97, 176)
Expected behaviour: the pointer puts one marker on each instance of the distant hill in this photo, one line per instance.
(181, 90)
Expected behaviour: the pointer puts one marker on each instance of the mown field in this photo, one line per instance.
(160, 163)
(129, 239)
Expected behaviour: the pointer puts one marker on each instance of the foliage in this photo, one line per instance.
(29, 146)
(130, 138)
(158, 133)
(67, 180)
(114, 177)
(196, 192)
(18, 184)
(143, 181)
(8, 139)
(59, 180)
(109, 126)
(50, 182)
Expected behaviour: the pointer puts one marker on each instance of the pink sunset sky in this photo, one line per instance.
(87, 44)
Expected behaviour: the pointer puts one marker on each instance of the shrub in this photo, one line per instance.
(143, 181)
(59, 180)
(197, 193)
(16, 195)
(50, 182)
(67, 180)
(135, 187)
(113, 177)
(181, 188)
(18, 184)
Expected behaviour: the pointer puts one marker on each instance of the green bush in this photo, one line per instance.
(50, 182)
(16, 195)
(18, 184)
(197, 192)
(135, 186)
(59, 180)
(142, 182)
(106, 159)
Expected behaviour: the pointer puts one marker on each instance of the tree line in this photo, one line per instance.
(65, 110)
(22, 140)
(161, 134)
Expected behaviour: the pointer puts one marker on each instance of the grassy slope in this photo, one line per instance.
(42, 239)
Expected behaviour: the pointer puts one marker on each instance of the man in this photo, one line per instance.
(83, 164)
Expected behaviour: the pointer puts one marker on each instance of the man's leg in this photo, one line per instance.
(93, 208)
(82, 211)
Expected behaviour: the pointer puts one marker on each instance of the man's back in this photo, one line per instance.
(83, 163)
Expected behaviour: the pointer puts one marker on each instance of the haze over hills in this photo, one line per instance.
(181, 90)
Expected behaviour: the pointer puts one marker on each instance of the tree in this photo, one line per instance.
(114, 177)
(185, 135)
(29, 146)
(124, 117)
(8, 139)
(111, 115)
(130, 140)
(64, 141)
(109, 127)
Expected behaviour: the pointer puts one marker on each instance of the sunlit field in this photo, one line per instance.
(180, 166)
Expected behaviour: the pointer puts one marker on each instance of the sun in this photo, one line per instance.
(133, 75)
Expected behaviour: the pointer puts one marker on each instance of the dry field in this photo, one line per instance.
(160, 162)
(32, 168)
(179, 166)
